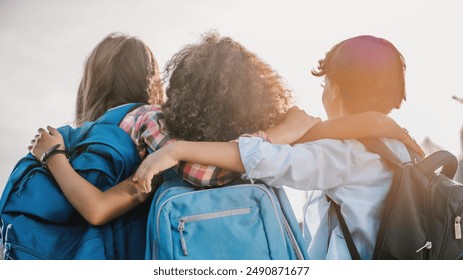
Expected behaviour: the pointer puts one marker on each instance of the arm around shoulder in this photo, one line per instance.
(367, 124)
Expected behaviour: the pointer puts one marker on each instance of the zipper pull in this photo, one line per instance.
(1, 231)
(2, 252)
(181, 228)
(458, 227)
(19, 188)
(5, 253)
(427, 245)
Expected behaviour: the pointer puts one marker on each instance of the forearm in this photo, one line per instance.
(283, 134)
(295, 124)
(145, 131)
(221, 154)
(368, 124)
(95, 206)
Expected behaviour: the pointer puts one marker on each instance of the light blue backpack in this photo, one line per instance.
(236, 222)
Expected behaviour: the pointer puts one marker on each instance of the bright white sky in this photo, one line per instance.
(43, 45)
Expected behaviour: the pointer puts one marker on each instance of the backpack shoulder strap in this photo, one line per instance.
(354, 254)
(74, 136)
(377, 146)
(373, 145)
(117, 114)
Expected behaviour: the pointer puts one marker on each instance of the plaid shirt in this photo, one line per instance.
(146, 128)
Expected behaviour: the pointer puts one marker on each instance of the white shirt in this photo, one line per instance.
(354, 178)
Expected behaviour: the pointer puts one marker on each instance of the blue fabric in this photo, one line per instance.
(40, 223)
(244, 221)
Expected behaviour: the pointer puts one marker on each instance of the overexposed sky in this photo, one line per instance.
(43, 45)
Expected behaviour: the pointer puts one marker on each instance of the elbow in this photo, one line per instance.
(96, 223)
(97, 219)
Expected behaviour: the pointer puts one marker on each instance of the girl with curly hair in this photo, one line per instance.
(217, 90)
(362, 74)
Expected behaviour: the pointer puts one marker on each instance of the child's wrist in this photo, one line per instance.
(177, 148)
(406, 135)
(53, 151)
(56, 159)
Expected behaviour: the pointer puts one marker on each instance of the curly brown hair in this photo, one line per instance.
(218, 90)
(120, 69)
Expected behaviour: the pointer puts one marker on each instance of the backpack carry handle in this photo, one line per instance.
(444, 159)
(428, 166)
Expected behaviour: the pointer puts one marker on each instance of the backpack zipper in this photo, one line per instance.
(2, 252)
(429, 224)
(283, 228)
(427, 245)
(207, 216)
(19, 188)
(457, 222)
(6, 249)
(292, 239)
(456, 225)
(154, 253)
(10, 245)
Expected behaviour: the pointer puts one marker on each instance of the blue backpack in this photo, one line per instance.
(38, 222)
(240, 222)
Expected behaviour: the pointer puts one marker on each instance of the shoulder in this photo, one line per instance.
(144, 112)
(352, 145)
(353, 151)
(146, 109)
(333, 146)
(398, 148)
(140, 117)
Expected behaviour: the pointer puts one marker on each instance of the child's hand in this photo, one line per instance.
(295, 124)
(44, 140)
(154, 164)
(410, 142)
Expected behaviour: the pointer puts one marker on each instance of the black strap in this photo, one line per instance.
(444, 159)
(377, 146)
(354, 254)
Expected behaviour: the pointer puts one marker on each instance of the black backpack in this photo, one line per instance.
(422, 212)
